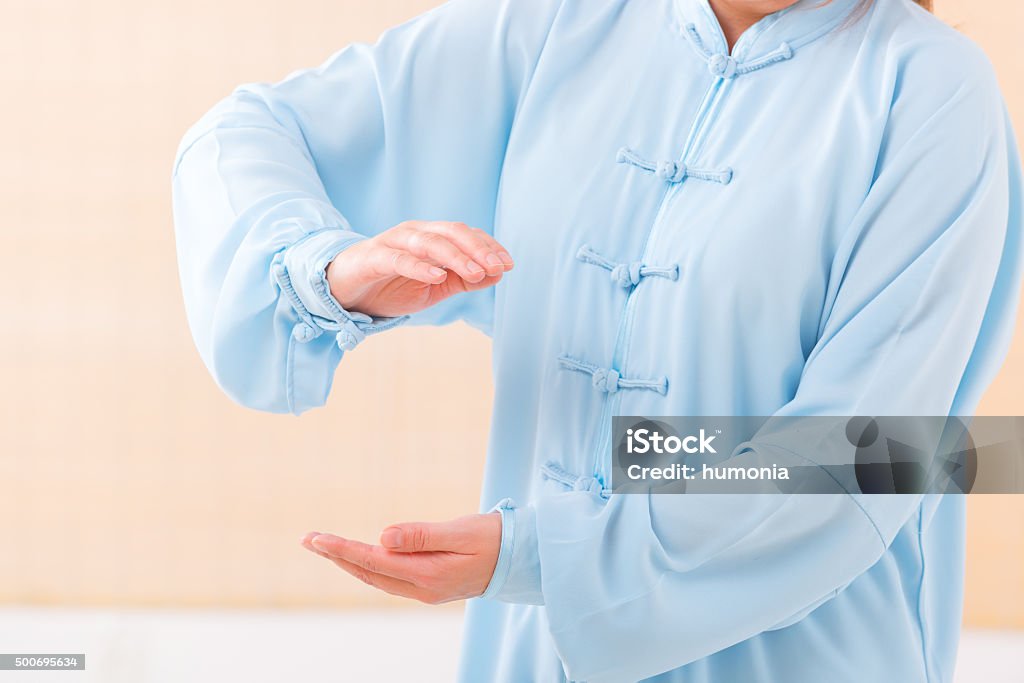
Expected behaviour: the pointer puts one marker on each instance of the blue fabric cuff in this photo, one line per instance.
(307, 261)
(516, 576)
(300, 272)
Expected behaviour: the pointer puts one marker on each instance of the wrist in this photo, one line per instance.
(339, 279)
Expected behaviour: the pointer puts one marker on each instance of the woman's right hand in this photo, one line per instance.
(413, 266)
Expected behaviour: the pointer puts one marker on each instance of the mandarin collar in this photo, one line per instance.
(786, 30)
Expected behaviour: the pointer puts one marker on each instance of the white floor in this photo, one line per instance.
(257, 647)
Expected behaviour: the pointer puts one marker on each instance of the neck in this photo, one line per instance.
(736, 16)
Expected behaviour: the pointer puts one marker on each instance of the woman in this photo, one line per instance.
(734, 207)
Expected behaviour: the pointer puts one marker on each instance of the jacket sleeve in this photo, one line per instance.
(276, 180)
(918, 319)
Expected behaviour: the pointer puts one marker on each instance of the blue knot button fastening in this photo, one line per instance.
(671, 171)
(627, 274)
(606, 380)
(350, 336)
(304, 333)
(722, 66)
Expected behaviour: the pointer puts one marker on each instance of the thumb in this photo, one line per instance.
(418, 537)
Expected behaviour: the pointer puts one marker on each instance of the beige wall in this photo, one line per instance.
(125, 476)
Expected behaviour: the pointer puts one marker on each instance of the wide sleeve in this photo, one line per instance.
(918, 319)
(278, 179)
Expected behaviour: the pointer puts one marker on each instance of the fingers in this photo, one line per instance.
(469, 252)
(373, 559)
(434, 247)
(388, 584)
(488, 281)
(477, 244)
(387, 261)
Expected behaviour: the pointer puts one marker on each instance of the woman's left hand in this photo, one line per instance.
(429, 562)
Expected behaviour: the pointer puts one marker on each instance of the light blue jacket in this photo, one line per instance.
(826, 221)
